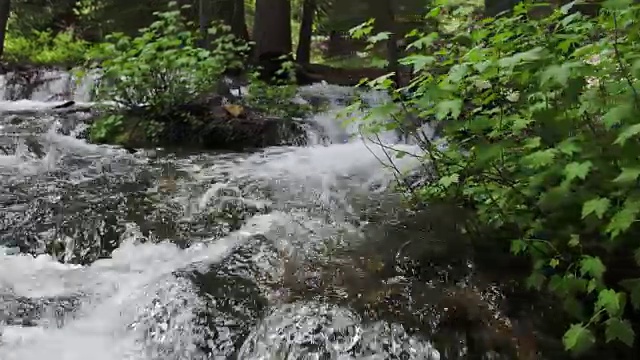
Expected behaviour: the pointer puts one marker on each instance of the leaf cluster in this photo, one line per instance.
(540, 135)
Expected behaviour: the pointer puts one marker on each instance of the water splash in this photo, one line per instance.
(141, 302)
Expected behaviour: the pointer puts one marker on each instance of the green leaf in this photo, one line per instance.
(633, 288)
(518, 246)
(457, 73)
(617, 115)
(556, 73)
(451, 107)
(608, 300)
(578, 339)
(521, 123)
(540, 159)
(419, 62)
(521, 57)
(448, 180)
(566, 7)
(568, 147)
(379, 37)
(597, 206)
(577, 170)
(619, 329)
(628, 175)
(617, 4)
(592, 266)
(627, 133)
(574, 240)
(623, 219)
(532, 143)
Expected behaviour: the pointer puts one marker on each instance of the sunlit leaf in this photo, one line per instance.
(592, 266)
(578, 339)
(597, 206)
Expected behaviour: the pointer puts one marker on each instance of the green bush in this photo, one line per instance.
(541, 121)
(45, 49)
(156, 73)
(277, 101)
(163, 67)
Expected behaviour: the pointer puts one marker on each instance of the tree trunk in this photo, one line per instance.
(272, 37)
(239, 22)
(495, 7)
(203, 22)
(387, 23)
(303, 53)
(223, 10)
(5, 11)
(272, 28)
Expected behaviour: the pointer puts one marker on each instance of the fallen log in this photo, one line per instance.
(339, 76)
(69, 107)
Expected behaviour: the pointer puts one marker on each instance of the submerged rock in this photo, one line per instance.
(313, 330)
(25, 311)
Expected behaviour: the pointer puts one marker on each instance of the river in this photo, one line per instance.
(284, 253)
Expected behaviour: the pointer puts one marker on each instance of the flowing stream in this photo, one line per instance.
(285, 253)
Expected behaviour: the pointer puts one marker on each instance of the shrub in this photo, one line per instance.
(163, 67)
(161, 70)
(45, 49)
(541, 121)
(276, 100)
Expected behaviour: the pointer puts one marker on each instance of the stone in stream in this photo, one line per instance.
(484, 328)
(25, 311)
(233, 295)
(314, 330)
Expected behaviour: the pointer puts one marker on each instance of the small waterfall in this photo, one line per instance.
(45, 85)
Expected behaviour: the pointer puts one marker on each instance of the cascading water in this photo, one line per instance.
(108, 255)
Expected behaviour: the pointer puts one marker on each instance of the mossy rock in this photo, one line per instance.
(208, 124)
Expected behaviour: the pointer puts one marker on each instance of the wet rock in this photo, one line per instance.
(168, 327)
(474, 318)
(25, 311)
(233, 307)
(234, 299)
(308, 330)
(73, 222)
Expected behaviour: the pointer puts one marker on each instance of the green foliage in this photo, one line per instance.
(163, 68)
(278, 101)
(106, 129)
(540, 124)
(44, 48)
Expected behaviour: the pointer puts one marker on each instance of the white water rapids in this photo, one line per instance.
(135, 305)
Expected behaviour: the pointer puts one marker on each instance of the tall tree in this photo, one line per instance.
(272, 27)
(239, 20)
(303, 53)
(386, 22)
(272, 37)
(203, 22)
(5, 11)
(232, 13)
